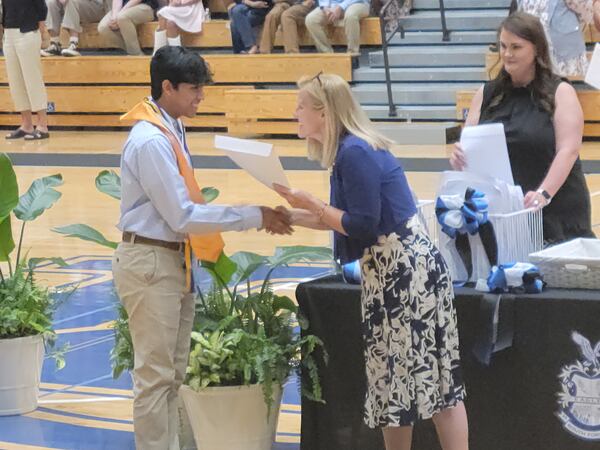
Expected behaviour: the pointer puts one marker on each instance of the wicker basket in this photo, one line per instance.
(574, 264)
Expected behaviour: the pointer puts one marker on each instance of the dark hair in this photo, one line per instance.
(178, 65)
(543, 86)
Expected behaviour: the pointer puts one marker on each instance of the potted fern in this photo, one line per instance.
(244, 344)
(26, 308)
(244, 348)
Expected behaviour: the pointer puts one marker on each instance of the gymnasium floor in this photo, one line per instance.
(82, 406)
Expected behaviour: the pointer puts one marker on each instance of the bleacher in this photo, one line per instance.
(95, 89)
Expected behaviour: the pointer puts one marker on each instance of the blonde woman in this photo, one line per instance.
(409, 321)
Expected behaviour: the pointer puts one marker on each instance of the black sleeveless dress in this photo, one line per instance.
(531, 148)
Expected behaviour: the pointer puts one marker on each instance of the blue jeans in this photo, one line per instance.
(244, 21)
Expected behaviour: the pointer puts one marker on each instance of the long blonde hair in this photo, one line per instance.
(331, 94)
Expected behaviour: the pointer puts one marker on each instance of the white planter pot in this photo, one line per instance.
(22, 360)
(231, 418)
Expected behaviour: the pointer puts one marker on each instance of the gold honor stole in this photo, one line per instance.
(207, 247)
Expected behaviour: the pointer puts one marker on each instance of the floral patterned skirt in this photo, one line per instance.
(409, 327)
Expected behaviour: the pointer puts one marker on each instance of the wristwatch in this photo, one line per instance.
(545, 194)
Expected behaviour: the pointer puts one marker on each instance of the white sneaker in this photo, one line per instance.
(52, 50)
(71, 50)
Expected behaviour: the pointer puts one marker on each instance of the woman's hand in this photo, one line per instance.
(535, 200)
(298, 199)
(457, 159)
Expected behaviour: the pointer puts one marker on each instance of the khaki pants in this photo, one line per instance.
(150, 282)
(291, 19)
(73, 14)
(128, 19)
(270, 26)
(316, 22)
(24, 69)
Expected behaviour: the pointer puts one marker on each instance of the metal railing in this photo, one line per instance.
(387, 37)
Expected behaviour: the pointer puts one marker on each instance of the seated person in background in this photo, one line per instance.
(562, 21)
(69, 14)
(337, 12)
(119, 25)
(290, 17)
(246, 16)
(179, 15)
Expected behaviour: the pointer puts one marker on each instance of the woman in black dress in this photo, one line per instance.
(543, 122)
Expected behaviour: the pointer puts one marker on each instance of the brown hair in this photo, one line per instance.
(543, 86)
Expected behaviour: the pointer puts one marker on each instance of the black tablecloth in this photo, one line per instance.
(511, 404)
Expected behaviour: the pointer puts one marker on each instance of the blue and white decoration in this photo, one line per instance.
(579, 400)
(515, 277)
(461, 215)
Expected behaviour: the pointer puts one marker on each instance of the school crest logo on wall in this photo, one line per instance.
(579, 401)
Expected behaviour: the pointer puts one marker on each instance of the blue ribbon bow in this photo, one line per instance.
(458, 216)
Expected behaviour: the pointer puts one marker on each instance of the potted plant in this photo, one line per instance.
(244, 343)
(25, 307)
(243, 350)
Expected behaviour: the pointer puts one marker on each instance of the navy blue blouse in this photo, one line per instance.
(370, 186)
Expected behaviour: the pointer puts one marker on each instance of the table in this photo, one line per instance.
(512, 403)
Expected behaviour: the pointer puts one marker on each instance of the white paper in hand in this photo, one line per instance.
(257, 158)
(486, 152)
(592, 76)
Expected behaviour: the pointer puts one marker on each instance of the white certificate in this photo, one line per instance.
(486, 152)
(257, 158)
(592, 76)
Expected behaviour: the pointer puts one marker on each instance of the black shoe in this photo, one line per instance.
(53, 49)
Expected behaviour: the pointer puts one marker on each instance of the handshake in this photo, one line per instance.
(277, 221)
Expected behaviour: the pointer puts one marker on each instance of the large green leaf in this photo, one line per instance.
(299, 253)
(7, 244)
(209, 193)
(9, 189)
(85, 232)
(40, 196)
(223, 269)
(109, 183)
(247, 263)
(34, 262)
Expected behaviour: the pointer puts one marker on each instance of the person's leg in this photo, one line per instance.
(42, 120)
(290, 20)
(53, 21)
(256, 18)
(78, 12)
(16, 80)
(173, 34)
(160, 35)
(31, 64)
(272, 21)
(150, 282)
(186, 323)
(397, 438)
(128, 21)
(352, 18)
(452, 427)
(113, 38)
(241, 30)
(316, 21)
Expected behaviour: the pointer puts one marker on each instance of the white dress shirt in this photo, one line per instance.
(155, 202)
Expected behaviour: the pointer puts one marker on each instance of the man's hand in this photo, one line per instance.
(276, 222)
(113, 24)
(334, 14)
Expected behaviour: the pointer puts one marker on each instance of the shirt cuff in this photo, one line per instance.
(251, 217)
